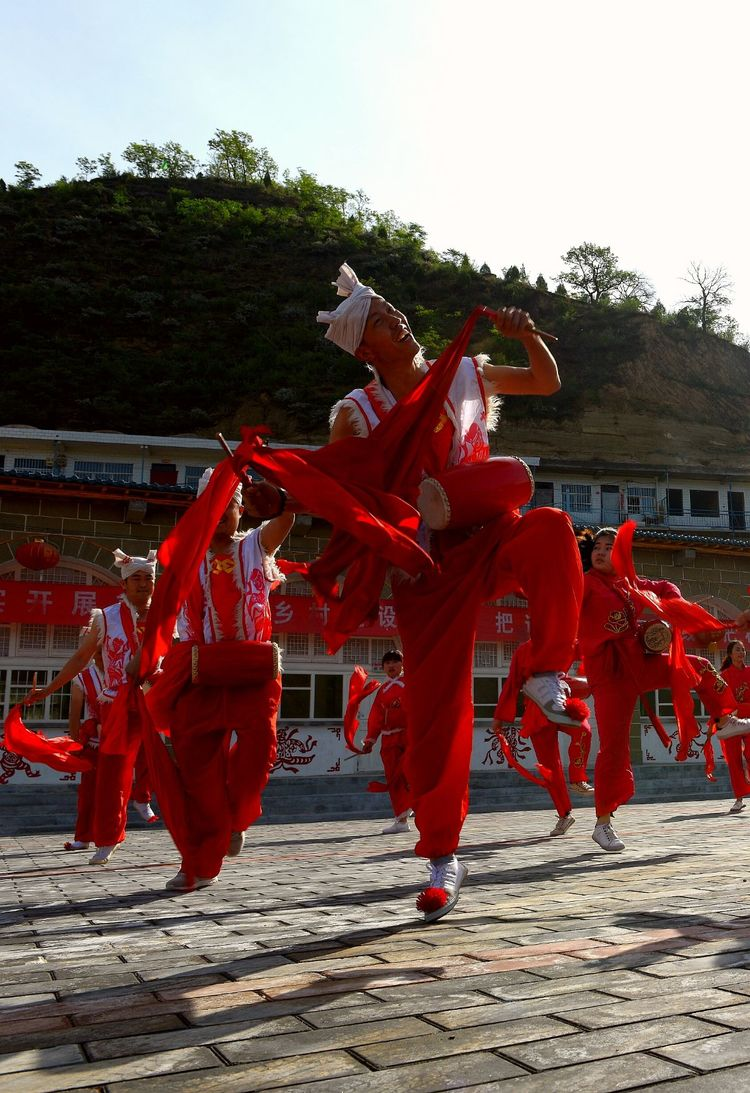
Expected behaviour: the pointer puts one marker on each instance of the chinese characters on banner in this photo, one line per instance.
(303, 616)
(71, 605)
(55, 604)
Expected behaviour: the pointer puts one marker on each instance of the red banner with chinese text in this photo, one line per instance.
(300, 614)
(55, 604)
(71, 605)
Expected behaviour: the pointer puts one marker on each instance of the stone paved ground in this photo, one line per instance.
(562, 968)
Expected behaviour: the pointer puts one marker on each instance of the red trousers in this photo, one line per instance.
(114, 784)
(392, 752)
(84, 832)
(547, 750)
(536, 554)
(737, 754)
(578, 753)
(614, 703)
(546, 744)
(223, 785)
(141, 791)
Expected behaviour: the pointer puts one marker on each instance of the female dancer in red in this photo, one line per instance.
(619, 669)
(737, 748)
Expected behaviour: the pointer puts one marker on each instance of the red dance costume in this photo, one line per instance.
(737, 749)
(121, 636)
(387, 722)
(543, 735)
(223, 785)
(91, 683)
(619, 670)
(535, 554)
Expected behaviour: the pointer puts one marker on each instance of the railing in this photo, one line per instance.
(733, 522)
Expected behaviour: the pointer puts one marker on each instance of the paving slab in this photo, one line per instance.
(308, 968)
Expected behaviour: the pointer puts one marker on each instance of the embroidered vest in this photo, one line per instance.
(203, 619)
(120, 643)
(465, 408)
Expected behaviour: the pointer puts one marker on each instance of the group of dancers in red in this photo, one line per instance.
(415, 422)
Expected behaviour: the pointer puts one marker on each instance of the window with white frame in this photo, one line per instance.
(297, 645)
(379, 647)
(486, 692)
(641, 500)
(4, 641)
(661, 703)
(65, 639)
(576, 497)
(32, 636)
(508, 649)
(485, 654)
(25, 463)
(103, 471)
(308, 695)
(59, 575)
(193, 476)
(356, 651)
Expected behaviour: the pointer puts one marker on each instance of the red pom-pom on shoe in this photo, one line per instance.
(431, 899)
(154, 819)
(577, 709)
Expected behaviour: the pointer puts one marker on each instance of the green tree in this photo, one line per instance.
(541, 284)
(27, 175)
(593, 273)
(86, 168)
(145, 158)
(107, 168)
(710, 296)
(175, 161)
(234, 156)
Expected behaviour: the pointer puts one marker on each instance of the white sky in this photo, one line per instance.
(511, 131)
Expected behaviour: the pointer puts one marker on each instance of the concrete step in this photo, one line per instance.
(27, 808)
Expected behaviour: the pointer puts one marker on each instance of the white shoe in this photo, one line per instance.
(584, 788)
(179, 883)
(564, 823)
(236, 843)
(550, 692)
(75, 845)
(145, 811)
(398, 827)
(733, 726)
(606, 837)
(738, 806)
(441, 894)
(102, 854)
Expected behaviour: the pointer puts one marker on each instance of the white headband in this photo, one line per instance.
(346, 324)
(206, 478)
(129, 565)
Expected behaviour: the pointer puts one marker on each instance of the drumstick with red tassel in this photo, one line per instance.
(534, 330)
(260, 496)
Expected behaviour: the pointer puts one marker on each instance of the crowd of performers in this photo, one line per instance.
(413, 496)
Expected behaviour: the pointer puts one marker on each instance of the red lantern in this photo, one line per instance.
(37, 555)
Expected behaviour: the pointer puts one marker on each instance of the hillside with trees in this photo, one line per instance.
(181, 298)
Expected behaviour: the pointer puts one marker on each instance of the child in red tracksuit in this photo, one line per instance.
(387, 722)
(619, 669)
(737, 749)
(543, 734)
